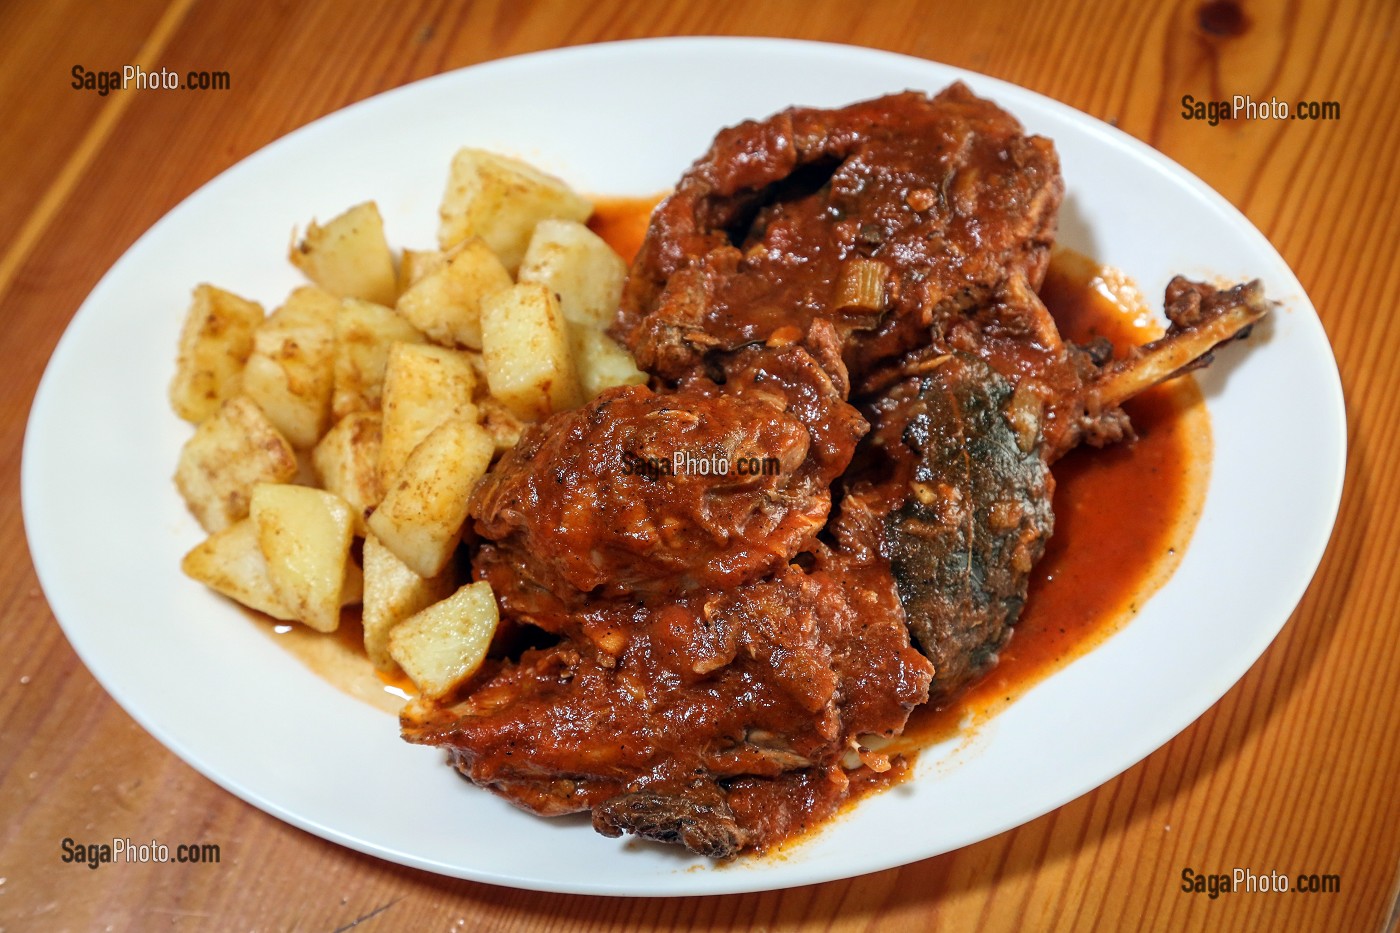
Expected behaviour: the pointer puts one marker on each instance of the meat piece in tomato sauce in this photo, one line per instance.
(952, 487)
(649, 495)
(885, 218)
(649, 715)
(721, 649)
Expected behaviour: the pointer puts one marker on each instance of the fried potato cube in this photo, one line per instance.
(578, 266)
(602, 362)
(416, 263)
(424, 386)
(364, 332)
(392, 593)
(446, 302)
(443, 645)
(500, 199)
(291, 372)
(525, 345)
(349, 256)
(346, 462)
(230, 562)
(231, 452)
(304, 534)
(421, 517)
(214, 344)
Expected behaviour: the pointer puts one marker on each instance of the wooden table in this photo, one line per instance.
(1294, 769)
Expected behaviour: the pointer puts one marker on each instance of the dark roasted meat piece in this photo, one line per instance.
(649, 714)
(955, 495)
(598, 503)
(850, 295)
(886, 218)
(651, 495)
(952, 486)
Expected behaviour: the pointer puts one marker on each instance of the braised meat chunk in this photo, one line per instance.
(650, 495)
(885, 217)
(646, 494)
(848, 299)
(952, 487)
(955, 496)
(650, 718)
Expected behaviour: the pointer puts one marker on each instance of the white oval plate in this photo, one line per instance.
(107, 530)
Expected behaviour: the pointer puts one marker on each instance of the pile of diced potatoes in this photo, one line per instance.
(370, 403)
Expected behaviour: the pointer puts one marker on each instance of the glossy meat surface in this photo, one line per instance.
(650, 495)
(942, 198)
(648, 715)
(647, 494)
(952, 489)
(851, 295)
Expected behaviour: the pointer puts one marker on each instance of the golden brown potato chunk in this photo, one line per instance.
(231, 452)
(349, 256)
(214, 344)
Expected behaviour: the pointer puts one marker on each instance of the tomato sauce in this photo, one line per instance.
(623, 222)
(1123, 515)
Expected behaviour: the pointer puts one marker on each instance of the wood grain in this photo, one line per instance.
(44, 117)
(1294, 769)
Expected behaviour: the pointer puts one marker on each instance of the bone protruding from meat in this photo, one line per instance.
(1202, 318)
